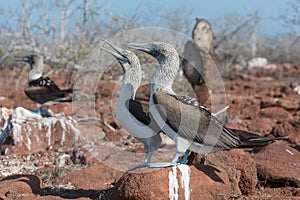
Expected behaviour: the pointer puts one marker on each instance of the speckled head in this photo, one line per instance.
(129, 62)
(168, 59)
(36, 65)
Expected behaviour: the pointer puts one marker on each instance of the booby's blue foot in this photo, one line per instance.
(145, 164)
(43, 112)
(173, 162)
(138, 166)
(162, 164)
(35, 111)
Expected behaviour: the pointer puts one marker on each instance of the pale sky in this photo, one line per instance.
(208, 9)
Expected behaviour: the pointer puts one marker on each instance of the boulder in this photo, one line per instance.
(277, 114)
(18, 185)
(95, 177)
(278, 165)
(33, 133)
(211, 181)
(287, 129)
(244, 162)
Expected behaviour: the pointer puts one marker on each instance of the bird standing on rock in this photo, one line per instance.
(191, 125)
(130, 113)
(42, 90)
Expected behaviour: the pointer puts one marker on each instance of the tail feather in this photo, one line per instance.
(249, 139)
(70, 90)
(66, 91)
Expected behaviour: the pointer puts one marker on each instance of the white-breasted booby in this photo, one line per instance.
(42, 90)
(191, 125)
(131, 114)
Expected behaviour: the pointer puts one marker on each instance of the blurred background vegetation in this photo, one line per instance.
(75, 29)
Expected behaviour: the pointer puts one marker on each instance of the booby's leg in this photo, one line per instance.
(148, 157)
(38, 110)
(145, 164)
(185, 158)
(44, 112)
(166, 164)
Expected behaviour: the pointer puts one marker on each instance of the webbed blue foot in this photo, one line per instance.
(145, 164)
(43, 112)
(138, 166)
(172, 163)
(162, 164)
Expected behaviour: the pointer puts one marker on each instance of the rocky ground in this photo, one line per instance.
(84, 155)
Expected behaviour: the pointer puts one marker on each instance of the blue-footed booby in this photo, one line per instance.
(131, 114)
(190, 124)
(42, 90)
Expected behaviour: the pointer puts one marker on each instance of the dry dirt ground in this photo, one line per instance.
(263, 100)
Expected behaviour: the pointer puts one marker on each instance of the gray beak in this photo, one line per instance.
(22, 58)
(119, 53)
(145, 47)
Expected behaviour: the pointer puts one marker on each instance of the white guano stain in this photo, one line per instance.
(23, 132)
(287, 150)
(173, 184)
(185, 180)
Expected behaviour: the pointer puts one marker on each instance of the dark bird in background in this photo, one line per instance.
(42, 90)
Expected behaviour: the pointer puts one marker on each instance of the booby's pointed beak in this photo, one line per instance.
(120, 54)
(22, 58)
(114, 54)
(145, 47)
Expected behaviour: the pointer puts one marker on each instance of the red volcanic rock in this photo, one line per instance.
(18, 185)
(278, 164)
(245, 108)
(261, 126)
(107, 89)
(182, 182)
(234, 126)
(288, 104)
(287, 129)
(95, 177)
(275, 113)
(90, 131)
(35, 197)
(62, 108)
(244, 162)
(269, 102)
